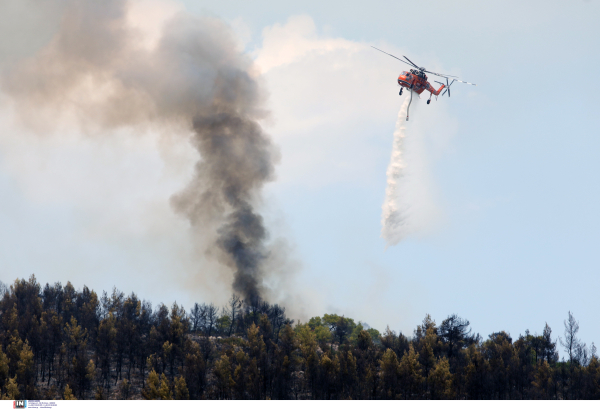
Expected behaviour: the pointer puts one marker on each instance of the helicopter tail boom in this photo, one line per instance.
(434, 91)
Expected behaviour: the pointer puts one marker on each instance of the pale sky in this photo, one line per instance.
(505, 175)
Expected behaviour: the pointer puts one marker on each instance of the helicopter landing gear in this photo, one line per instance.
(400, 91)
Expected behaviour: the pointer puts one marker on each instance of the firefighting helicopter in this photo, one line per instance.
(416, 80)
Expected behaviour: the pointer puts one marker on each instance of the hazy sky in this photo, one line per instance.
(505, 175)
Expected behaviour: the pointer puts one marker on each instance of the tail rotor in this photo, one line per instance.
(447, 86)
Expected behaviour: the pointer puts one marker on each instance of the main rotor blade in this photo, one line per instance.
(400, 59)
(414, 65)
(441, 75)
(454, 77)
(465, 82)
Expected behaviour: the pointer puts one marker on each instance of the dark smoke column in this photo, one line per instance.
(98, 73)
(237, 159)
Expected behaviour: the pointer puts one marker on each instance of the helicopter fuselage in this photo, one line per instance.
(417, 81)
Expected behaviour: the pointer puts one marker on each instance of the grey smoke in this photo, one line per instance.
(237, 161)
(195, 81)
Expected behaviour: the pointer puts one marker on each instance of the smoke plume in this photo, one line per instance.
(395, 206)
(101, 72)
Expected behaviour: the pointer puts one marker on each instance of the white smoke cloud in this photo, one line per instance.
(322, 90)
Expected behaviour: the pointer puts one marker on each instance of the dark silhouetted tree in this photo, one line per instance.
(571, 343)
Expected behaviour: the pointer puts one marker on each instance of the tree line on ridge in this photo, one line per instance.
(60, 343)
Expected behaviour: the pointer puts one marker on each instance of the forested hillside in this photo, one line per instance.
(58, 342)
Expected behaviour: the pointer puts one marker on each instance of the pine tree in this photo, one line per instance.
(26, 371)
(105, 346)
(68, 393)
(90, 376)
(11, 320)
(548, 349)
(440, 380)
(284, 363)
(571, 343)
(257, 351)
(427, 344)
(500, 353)
(309, 360)
(410, 374)
(194, 370)
(223, 376)
(390, 371)
(152, 389)
(177, 330)
(181, 390)
(3, 369)
(165, 388)
(455, 333)
(14, 351)
(240, 375)
(76, 348)
(55, 339)
(592, 384)
(476, 373)
(130, 330)
(542, 385)
(12, 389)
(348, 376)
(168, 354)
(364, 340)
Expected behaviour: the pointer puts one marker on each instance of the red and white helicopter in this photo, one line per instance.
(416, 80)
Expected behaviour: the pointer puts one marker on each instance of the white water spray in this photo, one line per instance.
(395, 207)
